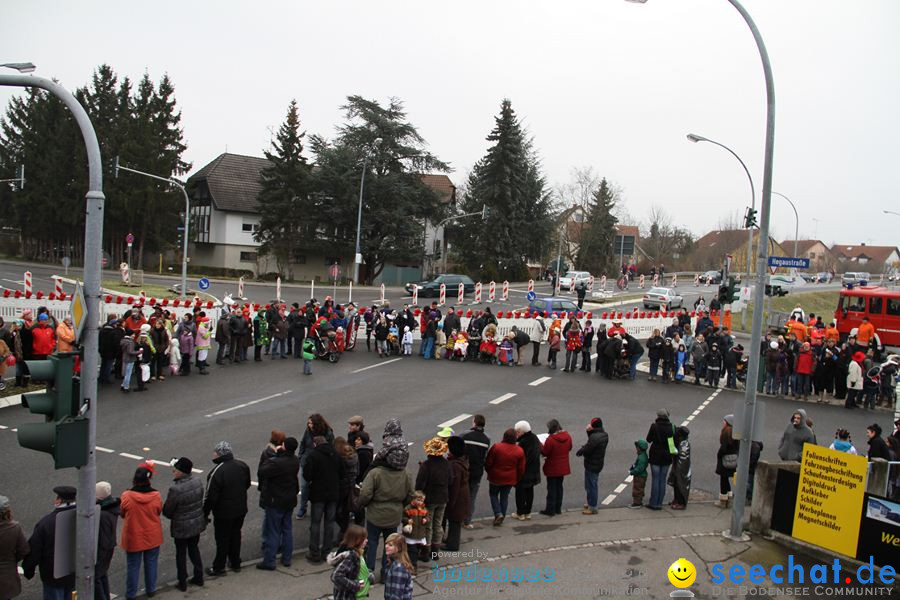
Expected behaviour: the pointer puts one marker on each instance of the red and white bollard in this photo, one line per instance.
(478, 293)
(531, 285)
(675, 280)
(382, 293)
(415, 295)
(505, 295)
(696, 279)
(655, 279)
(443, 297)
(641, 284)
(240, 287)
(492, 291)
(591, 284)
(126, 273)
(57, 287)
(26, 282)
(603, 282)
(461, 294)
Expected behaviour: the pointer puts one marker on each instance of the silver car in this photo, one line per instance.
(665, 298)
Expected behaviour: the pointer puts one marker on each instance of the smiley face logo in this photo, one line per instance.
(682, 573)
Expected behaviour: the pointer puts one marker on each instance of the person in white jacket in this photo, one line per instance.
(854, 379)
(540, 336)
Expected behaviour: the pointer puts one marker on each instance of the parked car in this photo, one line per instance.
(823, 277)
(551, 304)
(432, 287)
(808, 277)
(573, 278)
(665, 298)
(855, 278)
(711, 277)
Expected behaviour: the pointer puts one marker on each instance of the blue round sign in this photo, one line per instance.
(203, 284)
(531, 296)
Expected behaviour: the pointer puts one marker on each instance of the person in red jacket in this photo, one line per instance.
(134, 321)
(505, 465)
(556, 451)
(141, 530)
(804, 364)
(43, 338)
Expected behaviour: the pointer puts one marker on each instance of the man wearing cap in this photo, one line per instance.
(354, 426)
(184, 507)
(13, 548)
(106, 542)
(42, 543)
(226, 499)
(616, 328)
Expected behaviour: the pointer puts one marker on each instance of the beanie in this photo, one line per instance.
(662, 413)
(457, 446)
(596, 423)
(184, 465)
(102, 490)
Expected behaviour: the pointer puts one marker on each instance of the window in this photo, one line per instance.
(893, 307)
(875, 305)
(248, 256)
(856, 304)
(250, 226)
(299, 259)
(540, 305)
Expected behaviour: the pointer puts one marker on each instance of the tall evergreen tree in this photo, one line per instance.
(285, 202)
(595, 253)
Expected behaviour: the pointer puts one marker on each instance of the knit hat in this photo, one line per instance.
(524, 426)
(662, 413)
(145, 328)
(4, 502)
(596, 423)
(102, 490)
(43, 317)
(223, 448)
(27, 314)
(142, 475)
(435, 447)
(457, 446)
(729, 419)
(184, 465)
(290, 445)
(773, 345)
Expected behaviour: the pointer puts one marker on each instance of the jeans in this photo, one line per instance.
(149, 558)
(771, 382)
(278, 348)
(106, 367)
(57, 592)
(731, 377)
(304, 495)
(307, 367)
(184, 548)
(591, 481)
(278, 534)
(499, 495)
(658, 484)
(802, 388)
(428, 348)
(473, 493)
(374, 532)
(318, 544)
(633, 360)
(228, 542)
(554, 495)
(654, 367)
(126, 381)
(571, 359)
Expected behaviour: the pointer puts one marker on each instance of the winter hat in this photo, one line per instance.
(223, 448)
(405, 328)
(142, 475)
(392, 429)
(102, 490)
(4, 503)
(457, 446)
(773, 345)
(291, 444)
(66, 493)
(435, 447)
(859, 357)
(596, 423)
(729, 419)
(27, 314)
(43, 317)
(523, 426)
(662, 413)
(184, 465)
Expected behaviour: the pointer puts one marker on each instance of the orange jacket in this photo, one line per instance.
(141, 524)
(65, 336)
(816, 336)
(831, 333)
(798, 329)
(866, 332)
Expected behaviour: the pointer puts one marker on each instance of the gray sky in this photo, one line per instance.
(600, 83)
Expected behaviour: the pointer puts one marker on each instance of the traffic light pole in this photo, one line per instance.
(86, 551)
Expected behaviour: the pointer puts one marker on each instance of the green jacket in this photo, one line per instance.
(384, 493)
(309, 349)
(639, 468)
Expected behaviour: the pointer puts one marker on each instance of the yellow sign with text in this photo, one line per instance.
(830, 498)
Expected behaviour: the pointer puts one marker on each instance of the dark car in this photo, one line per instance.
(711, 277)
(551, 304)
(432, 287)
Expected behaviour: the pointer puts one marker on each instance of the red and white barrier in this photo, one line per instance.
(531, 285)
(57, 286)
(240, 287)
(590, 284)
(655, 279)
(492, 292)
(382, 293)
(415, 295)
(461, 293)
(697, 279)
(26, 282)
(641, 284)
(443, 297)
(126, 272)
(478, 293)
(505, 295)
(603, 283)
(675, 280)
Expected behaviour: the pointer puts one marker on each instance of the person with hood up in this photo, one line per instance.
(531, 446)
(106, 540)
(680, 475)
(662, 448)
(556, 449)
(854, 380)
(184, 508)
(458, 493)
(226, 499)
(795, 435)
(386, 489)
(278, 498)
(594, 454)
(433, 478)
(141, 530)
(877, 446)
(505, 466)
(726, 461)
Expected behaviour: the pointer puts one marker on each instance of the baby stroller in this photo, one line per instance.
(505, 356)
(393, 340)
(488, 349)
(622, 366)
(460, 347)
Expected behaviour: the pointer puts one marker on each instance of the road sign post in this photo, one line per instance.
(203, 284)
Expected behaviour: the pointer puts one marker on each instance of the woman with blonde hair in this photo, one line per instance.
(398, 580)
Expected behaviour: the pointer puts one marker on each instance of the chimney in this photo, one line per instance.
(863, 244)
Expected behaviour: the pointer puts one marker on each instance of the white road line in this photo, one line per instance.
(161, 463)
(246, 404)
(14, 430)
(15, 282)
(621, 488)
(454, 420)
(539, 381)
(102, 449)
(196, 470)
(593, 356)
(502, 398)
(608, 500)
(382, 363)
(133, 456)
(3, 427)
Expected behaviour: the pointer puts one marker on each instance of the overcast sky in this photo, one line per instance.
(600, 83)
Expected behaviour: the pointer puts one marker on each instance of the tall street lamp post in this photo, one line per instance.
(357, 257)
(85, 549)
(746, 425)
(796, 221)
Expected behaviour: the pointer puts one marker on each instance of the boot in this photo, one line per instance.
(723, 501)
(425, 554)
(435, 551)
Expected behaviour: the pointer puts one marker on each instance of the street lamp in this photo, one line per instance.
(699, 138)
(796, 221)
(23, 67)
(890, 212)
(746, 425)
(357, 258)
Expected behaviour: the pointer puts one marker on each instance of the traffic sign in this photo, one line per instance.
(129, 239)
(78, 309)
(66, 262)
(789, 262)
(203, 284)
(531, 296)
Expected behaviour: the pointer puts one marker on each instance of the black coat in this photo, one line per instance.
(365, 454)
(477, 446)
(654, 347)
(226, 488)
(658, 438)
(878, 448)
(458, 500)
(42, 543)
(451, 322)
(634, 346)
(184, 507)
(323, 472)
(531, 445)
(594, 451)
(109, 341)
(434, 479)
(282, 485)
(106, 542)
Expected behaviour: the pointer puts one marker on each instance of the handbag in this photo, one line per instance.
(145, 372)
(671, 440)
(730, 461)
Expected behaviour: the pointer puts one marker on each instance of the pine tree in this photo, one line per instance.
(596, 251)
(285, 205)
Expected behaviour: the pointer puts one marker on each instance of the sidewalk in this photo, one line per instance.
(618, 552)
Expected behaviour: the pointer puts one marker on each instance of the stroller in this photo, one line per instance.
(505, 355)
(329, 342)
(460, 347)
(488, 349)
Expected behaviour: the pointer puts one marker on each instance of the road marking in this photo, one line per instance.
(102, 449)
(502, 398)
(454, 420)
(196, 470)
(3, 427)
(20, 282)
(132, 456)
(254, 483)
(539, 381)
(386, 362)
(621, 487)
(246, 404)
(593, 356)
(160, 463)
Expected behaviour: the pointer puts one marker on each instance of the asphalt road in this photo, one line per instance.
(242, 403)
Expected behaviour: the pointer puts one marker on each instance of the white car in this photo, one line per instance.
(573, 278)
(660, 297)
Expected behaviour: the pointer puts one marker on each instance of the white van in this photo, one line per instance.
(855, 278)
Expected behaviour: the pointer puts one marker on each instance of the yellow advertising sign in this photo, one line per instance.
(830, 498)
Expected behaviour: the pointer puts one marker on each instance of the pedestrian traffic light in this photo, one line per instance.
(750, 218)
(64, 434)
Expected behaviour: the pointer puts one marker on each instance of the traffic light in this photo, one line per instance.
(64, 434)
(750, 218)
(728, 292)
